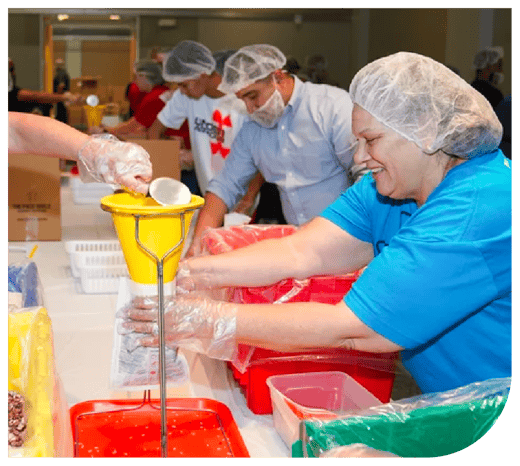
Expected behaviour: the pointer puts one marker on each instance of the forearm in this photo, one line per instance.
(303, 326)
(211, 215)
(26, 95)
(156, 130)
(128, 127)
(39, 135)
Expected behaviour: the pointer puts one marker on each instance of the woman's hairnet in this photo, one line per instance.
(428, 104)
(188, 60)
(248, 65)
(151, 69)
(488, 56)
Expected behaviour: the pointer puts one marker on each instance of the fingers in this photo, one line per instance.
(139, 327)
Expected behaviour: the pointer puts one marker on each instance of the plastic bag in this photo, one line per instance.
(136, 367)
(32, 373)
(430, 425)
(323, 289)
(23, 278)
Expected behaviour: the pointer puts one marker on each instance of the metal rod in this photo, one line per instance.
(162, 340)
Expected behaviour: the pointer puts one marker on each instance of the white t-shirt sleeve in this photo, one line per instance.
(175, 111)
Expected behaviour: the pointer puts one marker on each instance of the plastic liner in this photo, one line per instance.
(197, 427)
(32, 373)
(429, 425)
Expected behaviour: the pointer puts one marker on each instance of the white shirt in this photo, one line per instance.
(213, 124)
(307, 154)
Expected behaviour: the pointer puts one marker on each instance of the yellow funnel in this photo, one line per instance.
(160, 228)
(94, 114)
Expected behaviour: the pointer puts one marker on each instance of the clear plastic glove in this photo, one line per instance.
(198, 324)
(106, 159)
(186, 159)
(356, 450)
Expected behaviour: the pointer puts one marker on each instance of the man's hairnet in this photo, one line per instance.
(151, 69)
(188, 60)
(488, 56)
(248, 65)
(220, 59)
(428, 104)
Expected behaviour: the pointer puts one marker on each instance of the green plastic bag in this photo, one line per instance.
(428, 425)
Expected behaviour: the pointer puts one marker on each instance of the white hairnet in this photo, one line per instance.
(248, 65)
(428, 104)
(488, 56)
(188, 60)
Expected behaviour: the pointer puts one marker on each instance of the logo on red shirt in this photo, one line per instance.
(217, 147)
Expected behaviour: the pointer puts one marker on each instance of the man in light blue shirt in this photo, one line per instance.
(299, 139)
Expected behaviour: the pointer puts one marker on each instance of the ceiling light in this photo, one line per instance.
(63, 17)
(115, 17)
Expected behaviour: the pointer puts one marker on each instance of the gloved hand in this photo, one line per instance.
(198, 324)
(106, 159)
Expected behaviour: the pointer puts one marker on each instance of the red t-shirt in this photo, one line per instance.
(134, 96)
(150, 107)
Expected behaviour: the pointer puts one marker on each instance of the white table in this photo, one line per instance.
(83, 334)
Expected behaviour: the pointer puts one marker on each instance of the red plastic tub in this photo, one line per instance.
(376, 372)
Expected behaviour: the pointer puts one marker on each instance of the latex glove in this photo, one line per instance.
(106, 159)
(197, 324)
(356, 450)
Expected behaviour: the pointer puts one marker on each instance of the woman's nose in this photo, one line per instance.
(361, 155)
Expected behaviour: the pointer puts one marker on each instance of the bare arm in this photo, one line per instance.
(210, 216)
(246, 203)
(40, 135)
(303, 326)
(156, 130)
(126, 128)
(42, 97)
(318, 248)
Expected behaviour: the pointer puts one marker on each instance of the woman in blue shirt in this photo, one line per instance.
(431, 222)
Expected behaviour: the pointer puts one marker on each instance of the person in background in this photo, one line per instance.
(149, 80)
(503, 111)
(214, 119)
(100, 158)
(315, 70)
(61, 84)
(431, 223)
(299, 138)
(488, 74)
(25, 100)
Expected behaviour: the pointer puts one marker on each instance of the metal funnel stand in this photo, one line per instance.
(160, 292)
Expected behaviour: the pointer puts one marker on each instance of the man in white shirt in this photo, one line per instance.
(214, 118)
(299, 137)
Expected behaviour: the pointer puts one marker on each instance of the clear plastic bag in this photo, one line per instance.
(429, 425)
(32, 373)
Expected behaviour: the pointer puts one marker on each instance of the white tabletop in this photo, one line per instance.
(83, 334)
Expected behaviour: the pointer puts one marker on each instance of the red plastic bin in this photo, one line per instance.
(376, 372)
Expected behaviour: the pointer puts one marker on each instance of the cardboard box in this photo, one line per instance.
(34, 212)
(164, 155)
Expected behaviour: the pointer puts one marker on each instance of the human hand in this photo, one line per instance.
(73, 99)
(199, 324)
(96, 130)
(106, 159)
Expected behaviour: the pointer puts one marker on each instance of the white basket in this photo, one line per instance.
(102, 279)
(89, 193)
(98, 264)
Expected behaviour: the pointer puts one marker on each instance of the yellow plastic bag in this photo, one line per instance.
(32, 373)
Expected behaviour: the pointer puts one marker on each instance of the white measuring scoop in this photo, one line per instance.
(167, 191)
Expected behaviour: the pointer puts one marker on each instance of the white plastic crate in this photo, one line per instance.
(98, 264)
(89, 193)
(102, 279)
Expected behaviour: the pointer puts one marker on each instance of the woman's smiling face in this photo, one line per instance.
(399, 167)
